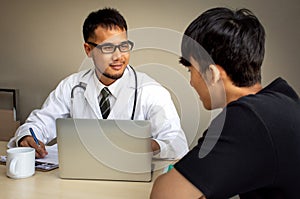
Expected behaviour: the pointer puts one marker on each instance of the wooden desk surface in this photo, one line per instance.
(49, 185)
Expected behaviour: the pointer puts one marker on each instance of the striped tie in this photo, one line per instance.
(104, 103)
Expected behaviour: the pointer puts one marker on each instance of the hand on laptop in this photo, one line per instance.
(28, 141)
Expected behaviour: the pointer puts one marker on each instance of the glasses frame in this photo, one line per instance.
(99, 46)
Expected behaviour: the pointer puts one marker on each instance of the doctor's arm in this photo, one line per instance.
(42, 121)
(174, 185)
(168, 137)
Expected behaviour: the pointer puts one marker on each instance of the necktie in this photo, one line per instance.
(104, 103)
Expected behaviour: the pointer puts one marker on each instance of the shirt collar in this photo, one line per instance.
(113, 88)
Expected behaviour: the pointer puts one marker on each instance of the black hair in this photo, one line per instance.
(107, 18)
(233, 39)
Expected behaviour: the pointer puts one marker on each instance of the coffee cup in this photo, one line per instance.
(20, 162)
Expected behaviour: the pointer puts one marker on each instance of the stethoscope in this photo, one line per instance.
(83, 86)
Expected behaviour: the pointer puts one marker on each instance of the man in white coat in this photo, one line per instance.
(129, 92)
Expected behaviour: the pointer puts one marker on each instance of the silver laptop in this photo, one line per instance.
(104, 149)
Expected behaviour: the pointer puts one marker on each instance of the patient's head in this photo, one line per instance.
(233, 39)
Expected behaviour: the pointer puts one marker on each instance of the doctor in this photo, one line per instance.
(131, 95)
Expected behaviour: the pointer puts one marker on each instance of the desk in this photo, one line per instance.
(49, 185)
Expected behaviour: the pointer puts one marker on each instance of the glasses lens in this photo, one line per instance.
(108, 48)
(125, 46)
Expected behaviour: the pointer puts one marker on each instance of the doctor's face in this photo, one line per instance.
(109, 65)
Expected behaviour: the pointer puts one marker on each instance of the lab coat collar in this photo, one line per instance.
(127, 84)
(90, 93)
(125, 95)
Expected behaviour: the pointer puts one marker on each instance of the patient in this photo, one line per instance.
(252, 148)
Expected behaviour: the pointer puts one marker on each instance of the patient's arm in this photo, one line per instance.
(174, 185)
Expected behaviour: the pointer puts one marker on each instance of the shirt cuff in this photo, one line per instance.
(165, 151)
(13, 142)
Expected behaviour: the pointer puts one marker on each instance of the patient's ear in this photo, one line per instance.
(214, 74)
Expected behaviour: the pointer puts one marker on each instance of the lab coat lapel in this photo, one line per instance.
(92, 96)
(124, 102)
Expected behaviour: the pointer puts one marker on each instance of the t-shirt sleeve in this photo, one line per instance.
(233, 154)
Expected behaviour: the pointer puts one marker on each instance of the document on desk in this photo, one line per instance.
(50, 161)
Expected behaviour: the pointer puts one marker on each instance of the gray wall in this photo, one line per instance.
(41, 41)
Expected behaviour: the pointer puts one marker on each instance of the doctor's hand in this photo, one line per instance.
(28, 141)
(155, 147)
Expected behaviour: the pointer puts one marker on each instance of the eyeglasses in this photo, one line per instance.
(108, 48)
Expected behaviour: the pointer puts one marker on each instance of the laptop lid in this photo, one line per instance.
(104, 149)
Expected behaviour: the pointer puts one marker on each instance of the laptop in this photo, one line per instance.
(99, 149)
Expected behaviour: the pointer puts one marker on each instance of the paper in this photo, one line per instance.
(2, 159)
(52, 156)
(50, 161)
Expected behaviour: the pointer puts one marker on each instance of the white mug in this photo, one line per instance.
(20, 162)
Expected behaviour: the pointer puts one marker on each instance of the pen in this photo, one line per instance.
(34, 137)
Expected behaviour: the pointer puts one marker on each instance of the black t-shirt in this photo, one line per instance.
(252, 148)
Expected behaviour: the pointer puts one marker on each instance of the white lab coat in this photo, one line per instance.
(153, 103)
